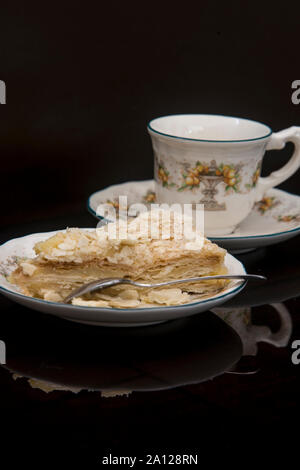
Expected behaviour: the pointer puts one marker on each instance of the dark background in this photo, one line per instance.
(83, 79)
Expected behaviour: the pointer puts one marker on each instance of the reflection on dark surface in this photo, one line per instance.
(240, 320)
(119, 361)
(250, 406)
(154, 358)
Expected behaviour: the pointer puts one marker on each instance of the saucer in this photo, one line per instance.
(274, 219)
(105, 316)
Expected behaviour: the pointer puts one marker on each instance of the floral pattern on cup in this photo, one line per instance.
(231, 177)
(191, 178)
(255, 177)
(163, 176)
(228, 174)
(265, 204)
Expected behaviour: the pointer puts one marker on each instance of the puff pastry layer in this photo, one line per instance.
(74, 257)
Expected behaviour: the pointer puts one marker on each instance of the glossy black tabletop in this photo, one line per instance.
(82, 80)
(215, 381)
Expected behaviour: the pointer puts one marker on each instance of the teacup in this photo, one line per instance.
(216, 161)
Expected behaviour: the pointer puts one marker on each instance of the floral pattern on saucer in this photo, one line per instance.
(268, 203)
(295, 219)
(265, 204)
(116, 204)
(150, 197)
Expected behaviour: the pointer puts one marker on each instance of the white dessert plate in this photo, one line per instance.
(274, 219)
(23, 247)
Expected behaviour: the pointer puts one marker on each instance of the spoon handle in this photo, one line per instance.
(109, 282)
(246, 277)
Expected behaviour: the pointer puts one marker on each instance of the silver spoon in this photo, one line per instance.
(114, 281)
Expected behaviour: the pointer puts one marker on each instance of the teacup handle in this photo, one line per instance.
(278, 141)
(281, 337)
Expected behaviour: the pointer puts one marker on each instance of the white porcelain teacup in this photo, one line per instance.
(216, 161)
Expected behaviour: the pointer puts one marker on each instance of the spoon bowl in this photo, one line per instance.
(114, 281)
